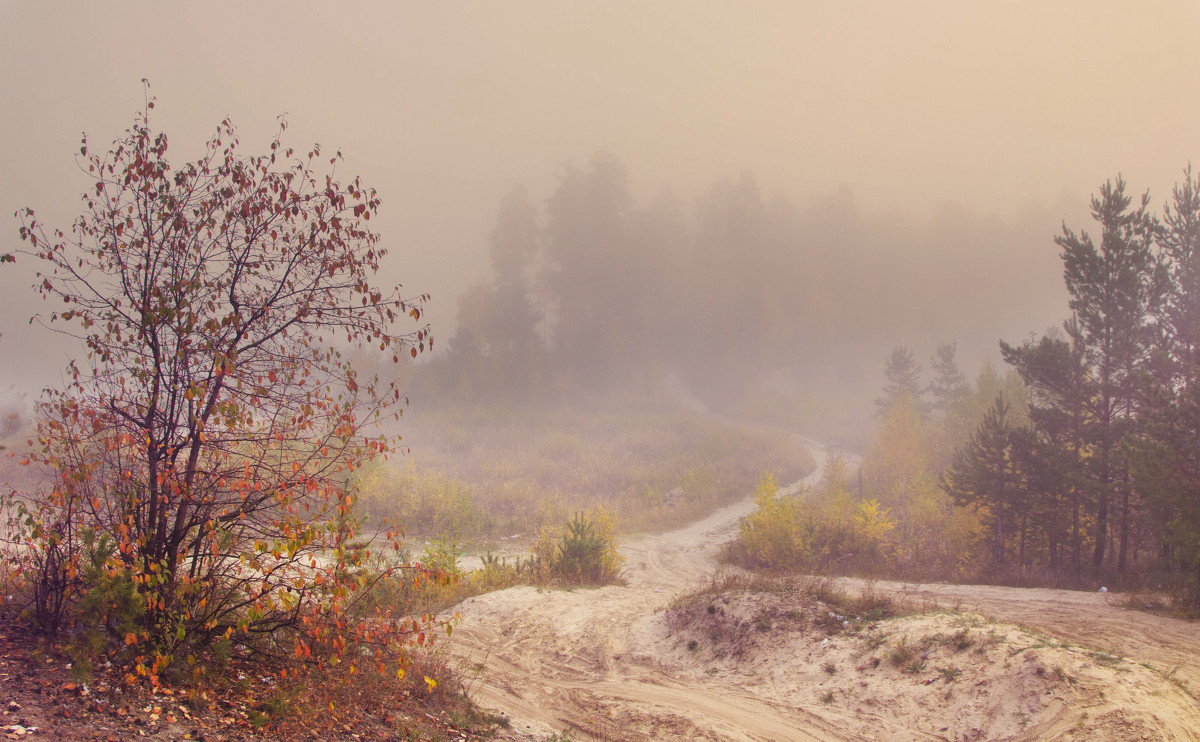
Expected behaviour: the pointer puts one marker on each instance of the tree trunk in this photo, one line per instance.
(1024, 530)
(1123, 548)
(1103, 495)
(1101, 532)
(998, 549)
(1076, 537)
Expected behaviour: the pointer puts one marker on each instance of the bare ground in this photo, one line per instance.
(619, 663)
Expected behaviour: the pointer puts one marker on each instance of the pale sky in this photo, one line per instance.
(443, 106)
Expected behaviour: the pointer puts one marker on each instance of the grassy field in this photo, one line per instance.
(477, 476)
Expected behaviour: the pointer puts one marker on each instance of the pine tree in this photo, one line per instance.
(948, 383)
(985, 473)
(903, 375)
(1057, 377)
(1113, 287)
(580, 555)
(1166, 454)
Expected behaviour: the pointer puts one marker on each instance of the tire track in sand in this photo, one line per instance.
(580, 659)
(555, 659)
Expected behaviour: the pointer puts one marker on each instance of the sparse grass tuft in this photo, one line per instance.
(723, 581)
(1108, 659)
(989, 640)
(949, 674)
(862, 606)
(902, 653)
(1178, 682)
(1063, 676)
(874, 640)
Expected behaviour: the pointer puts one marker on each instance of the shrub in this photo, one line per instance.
(579, 553)
(772, 535)
(201, 451)
(814, 530)
(587, 552)
(584, 551)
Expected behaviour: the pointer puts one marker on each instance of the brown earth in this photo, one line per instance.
(619, 663)
(42, 699)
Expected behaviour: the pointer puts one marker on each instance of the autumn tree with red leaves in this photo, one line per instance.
(201, 450)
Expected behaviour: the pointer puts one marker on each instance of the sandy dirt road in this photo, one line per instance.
(602, 664)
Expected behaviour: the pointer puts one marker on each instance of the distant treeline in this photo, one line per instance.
(594, 290)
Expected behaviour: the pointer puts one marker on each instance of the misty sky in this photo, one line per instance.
(443, 106)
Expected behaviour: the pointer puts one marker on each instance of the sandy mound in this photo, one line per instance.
(933, 676)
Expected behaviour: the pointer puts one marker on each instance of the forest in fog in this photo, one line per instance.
(1079, 462)
(739, 293)
(1070, 457)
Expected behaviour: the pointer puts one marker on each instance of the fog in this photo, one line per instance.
(912, 161)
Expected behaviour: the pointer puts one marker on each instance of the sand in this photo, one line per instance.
(622, 663)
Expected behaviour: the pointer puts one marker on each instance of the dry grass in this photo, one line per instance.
(1178, 603)
(484, 476)
(733, 614)
(866, 601)
(829, 606)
